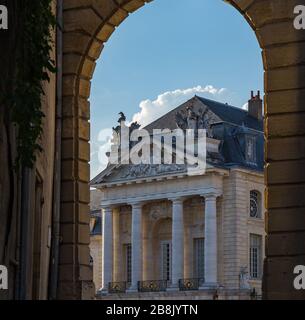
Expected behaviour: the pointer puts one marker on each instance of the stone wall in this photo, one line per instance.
(96, 254)
(237, 224)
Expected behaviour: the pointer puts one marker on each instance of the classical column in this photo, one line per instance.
(107, 247)
(177, 242)
(117, 248)
(147, 249)
(136, 246)
(210, 241)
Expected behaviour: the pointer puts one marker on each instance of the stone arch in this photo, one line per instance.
(162, 228)
(88, 24)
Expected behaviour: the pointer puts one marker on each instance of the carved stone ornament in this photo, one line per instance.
(148, 170)
(133, 126)
(191, 119)
(244, 279)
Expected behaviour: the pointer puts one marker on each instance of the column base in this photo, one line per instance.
(103, 292)
(132, 290)
(173, 288)
(209, 286)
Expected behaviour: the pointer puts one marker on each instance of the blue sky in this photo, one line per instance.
(162, 55)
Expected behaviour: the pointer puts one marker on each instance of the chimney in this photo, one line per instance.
(255, 108)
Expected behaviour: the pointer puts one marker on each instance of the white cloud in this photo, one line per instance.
(245, 106)
(104, 142)
(165, 102)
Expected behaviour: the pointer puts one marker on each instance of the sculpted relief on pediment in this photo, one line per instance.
(148, 170)
(196, 118)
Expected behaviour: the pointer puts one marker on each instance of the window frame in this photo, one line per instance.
(197, 258)
(128, 261)
(168, 270)
(256, 254)
(258, 200)
(251, 160)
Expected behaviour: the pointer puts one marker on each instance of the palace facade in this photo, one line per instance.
(158, 232)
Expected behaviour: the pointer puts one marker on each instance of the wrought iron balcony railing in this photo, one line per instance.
(117, 287)
(152, 286)
(190, 284)
(156, 285)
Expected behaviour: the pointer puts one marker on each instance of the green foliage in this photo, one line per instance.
(33, 64)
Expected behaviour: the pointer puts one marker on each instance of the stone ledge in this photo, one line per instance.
(229, 294)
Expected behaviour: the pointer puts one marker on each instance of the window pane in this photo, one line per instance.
(199, 258)
(166, 260)
(255, 204)
(128, 263)
(255, 256)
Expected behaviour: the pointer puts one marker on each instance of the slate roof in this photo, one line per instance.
(233, 115)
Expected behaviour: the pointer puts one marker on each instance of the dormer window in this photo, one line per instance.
(251, 149)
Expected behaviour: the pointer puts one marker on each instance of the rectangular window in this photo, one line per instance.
(199, 258)
(128, 263)
(166, 260)
(255, 256)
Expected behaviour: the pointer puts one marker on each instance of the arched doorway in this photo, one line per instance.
(88, 24)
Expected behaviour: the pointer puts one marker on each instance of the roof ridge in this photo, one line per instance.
(224, 104)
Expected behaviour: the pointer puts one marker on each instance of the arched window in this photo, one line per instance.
(255, 204)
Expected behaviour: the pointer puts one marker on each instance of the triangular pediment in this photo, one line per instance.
(122, 174)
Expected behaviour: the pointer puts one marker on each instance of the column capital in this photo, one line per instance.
(106, 207)
(177, 200)
(136, 204)
(210, 196)
(109, 206)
